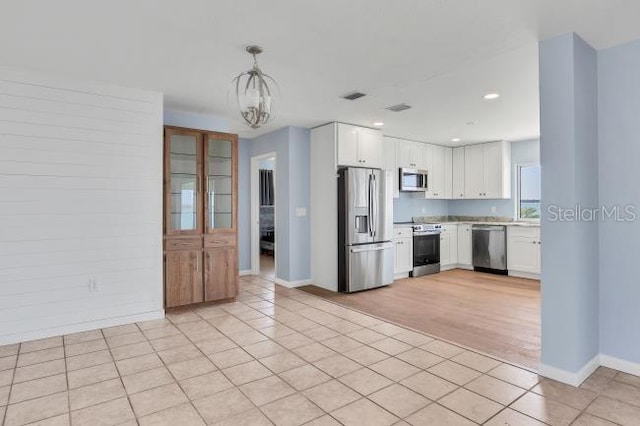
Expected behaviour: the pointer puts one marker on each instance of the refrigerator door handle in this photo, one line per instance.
(370, 199)
(374, 206)
(382, 247)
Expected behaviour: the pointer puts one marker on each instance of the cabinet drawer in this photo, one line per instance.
(524, 231)
(226, 240)
(402, 232)
(183, 244)
(449, 228)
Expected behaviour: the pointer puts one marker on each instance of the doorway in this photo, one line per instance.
(263, 216)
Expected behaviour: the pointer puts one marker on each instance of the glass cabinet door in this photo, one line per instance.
(220, 184)
(182, 170)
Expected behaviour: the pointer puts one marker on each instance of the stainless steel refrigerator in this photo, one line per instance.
(365, 225)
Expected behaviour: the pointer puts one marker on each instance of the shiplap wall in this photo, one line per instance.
(80, 200)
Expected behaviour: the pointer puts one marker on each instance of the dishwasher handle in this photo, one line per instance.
(494, 228)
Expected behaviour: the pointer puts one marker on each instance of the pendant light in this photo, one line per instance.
(254, 92)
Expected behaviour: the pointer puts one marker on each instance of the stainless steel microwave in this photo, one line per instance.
(413, 180)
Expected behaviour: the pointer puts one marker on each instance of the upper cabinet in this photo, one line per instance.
(411, 154)
(389, 162)
(220, 173)
(439, 164)
(487, 170)
(183, 182)
(359, 146)
(457, 173)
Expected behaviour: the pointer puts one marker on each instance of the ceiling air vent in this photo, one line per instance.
(399, 107)
(352, 96)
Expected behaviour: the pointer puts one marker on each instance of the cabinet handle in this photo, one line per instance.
(534, 242)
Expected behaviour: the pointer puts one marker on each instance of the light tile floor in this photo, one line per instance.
(284, 357)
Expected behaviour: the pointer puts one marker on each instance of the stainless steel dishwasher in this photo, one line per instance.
(489, 248)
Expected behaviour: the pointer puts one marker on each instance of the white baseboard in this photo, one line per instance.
(448, 267)
(568, 377)
(246, 272)
(401, 276)
(84, 326)
(461, 266)
(528, 275)
(620, 364)
(293, 284)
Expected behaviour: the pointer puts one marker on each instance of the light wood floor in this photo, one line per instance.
(267, 266)
(494, 314)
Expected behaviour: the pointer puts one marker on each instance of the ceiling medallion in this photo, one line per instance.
(255, 92)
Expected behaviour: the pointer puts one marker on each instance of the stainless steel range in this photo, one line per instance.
(426, 249)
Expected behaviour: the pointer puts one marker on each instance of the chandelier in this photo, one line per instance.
(254, 92)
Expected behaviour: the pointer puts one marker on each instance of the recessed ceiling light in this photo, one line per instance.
(378, 123)
(491, 96)
(456, 140)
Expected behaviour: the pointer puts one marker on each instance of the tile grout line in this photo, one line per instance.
(66, 373)
(13, 376)
(203, 354)
(119, 377)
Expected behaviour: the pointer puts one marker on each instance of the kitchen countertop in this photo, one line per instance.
(471, 222)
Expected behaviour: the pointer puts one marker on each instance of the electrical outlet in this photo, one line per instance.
(493, 209)
(424, 210)
(90, 285)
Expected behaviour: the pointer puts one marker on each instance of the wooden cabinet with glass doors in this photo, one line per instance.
(200, 216)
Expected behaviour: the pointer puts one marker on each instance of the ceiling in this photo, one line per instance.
(440, 56)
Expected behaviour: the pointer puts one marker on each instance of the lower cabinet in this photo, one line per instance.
(449, 246)
(403, 250)
(464, 246)
(195, 274)
(523, 250)
(184, 273)
(220, 272)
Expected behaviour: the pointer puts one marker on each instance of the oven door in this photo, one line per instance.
(426, 249)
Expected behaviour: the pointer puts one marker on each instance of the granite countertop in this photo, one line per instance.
(454, 220)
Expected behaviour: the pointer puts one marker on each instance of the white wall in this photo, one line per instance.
(80, 200)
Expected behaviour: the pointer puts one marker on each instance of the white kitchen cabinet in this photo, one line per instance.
(445, 249)
(359, 146)
(473, 171)
(411, 154)
(403, 245)
(438, 159)
(523, 251)
(487, 170)
(464, 246)
(389, 162)
(447, 192)
(457, 173)
(449, 246)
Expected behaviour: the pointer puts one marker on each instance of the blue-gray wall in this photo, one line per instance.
(195, 121)
(291, 145)
(619, 130)
(522, 153)
(244, 204)
(568, 148)
(299, 198)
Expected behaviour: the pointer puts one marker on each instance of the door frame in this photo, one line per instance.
(255, 212)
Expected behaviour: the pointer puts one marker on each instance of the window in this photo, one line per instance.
(528, 202)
